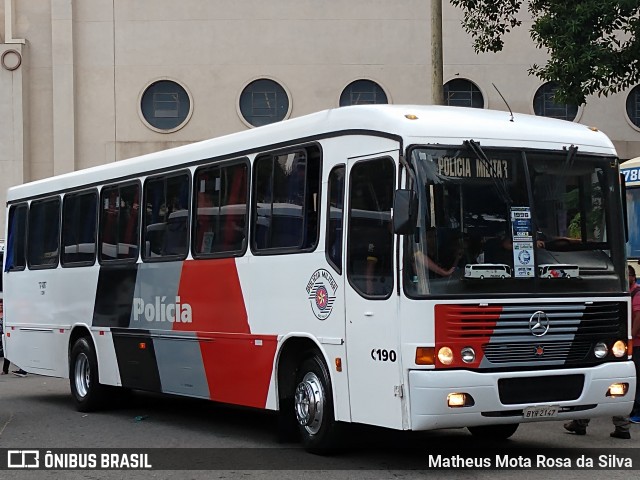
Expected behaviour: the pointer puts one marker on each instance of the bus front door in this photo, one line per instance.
(372, 337)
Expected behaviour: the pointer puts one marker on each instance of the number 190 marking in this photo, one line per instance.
(382, 355)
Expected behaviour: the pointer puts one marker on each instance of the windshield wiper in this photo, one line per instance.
(498, 183)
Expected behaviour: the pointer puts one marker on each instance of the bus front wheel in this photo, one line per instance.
(83, 376)
(494, 432)
(313, 404)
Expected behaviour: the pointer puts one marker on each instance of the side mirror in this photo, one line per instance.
(405, 211)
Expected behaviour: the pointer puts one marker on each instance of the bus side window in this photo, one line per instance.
(370, 237)
(15, 251)
(166, 219)
(119, 222)
(335, 213)
(79, 213)
(43, 236)
(221, 209)
(286, 199)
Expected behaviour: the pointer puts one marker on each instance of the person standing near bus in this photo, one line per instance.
(622, 423)
(6, 362)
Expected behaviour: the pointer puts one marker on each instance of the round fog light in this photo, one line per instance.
(600, 350)
(468, 355)
(445, 355)
(619, 349)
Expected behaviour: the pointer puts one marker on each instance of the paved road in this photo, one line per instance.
(38, 412)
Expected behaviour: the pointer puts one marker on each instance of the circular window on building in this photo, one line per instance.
(363, 92)
(462, 93)
(544, 104)
(633, 106)
(165, 105)
(264, 101)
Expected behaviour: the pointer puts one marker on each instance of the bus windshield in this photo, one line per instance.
(514, 221)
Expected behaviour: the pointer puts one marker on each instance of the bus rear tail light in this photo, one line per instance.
(617, 390)
(425, 355)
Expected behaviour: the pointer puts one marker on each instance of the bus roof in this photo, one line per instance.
(411, 124)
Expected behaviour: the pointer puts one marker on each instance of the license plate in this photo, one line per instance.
(541, 411)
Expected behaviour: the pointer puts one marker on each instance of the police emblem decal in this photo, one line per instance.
(321, 291)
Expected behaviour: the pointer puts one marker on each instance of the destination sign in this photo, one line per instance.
(461, 167)
(631, 174)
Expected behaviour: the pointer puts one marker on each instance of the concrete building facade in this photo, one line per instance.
(77, 75)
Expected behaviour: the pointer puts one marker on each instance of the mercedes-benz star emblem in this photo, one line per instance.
(539, 324)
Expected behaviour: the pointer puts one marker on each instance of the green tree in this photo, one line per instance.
(593, 45)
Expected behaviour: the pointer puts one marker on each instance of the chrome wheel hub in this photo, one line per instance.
(81, 375)
(309, 403)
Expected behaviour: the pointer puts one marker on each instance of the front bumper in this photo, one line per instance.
(428, 390)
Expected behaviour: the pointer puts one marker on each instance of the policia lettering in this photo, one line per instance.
(467, 168)
(161, 311)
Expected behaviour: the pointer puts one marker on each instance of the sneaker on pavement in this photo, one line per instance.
(635, 419)
(19, 373)
(574, 428)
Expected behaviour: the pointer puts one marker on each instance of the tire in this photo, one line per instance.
(494, 432)
(87, 392)
(313, 406)
(287, 424)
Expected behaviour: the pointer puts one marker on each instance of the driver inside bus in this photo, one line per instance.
(429, 262)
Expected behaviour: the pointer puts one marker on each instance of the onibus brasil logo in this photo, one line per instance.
(321, 289)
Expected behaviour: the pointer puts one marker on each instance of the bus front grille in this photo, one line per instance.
(508, 336)
(523, 352)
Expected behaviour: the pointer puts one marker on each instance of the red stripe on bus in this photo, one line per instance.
(239, 371)
(238, 365)
(459, 326)
(212, 289)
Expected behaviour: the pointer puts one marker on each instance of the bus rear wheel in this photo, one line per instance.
(494, 432)
(313, 405)
(83, 376)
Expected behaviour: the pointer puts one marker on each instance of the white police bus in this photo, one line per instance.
(291, 281)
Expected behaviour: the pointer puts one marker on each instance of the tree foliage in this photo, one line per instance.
(593, 45)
